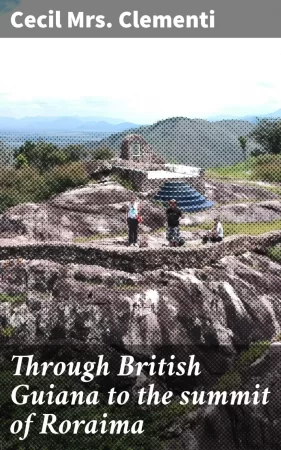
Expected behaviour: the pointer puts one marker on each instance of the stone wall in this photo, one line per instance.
(143, 259)
(140, 182)
(145, 152)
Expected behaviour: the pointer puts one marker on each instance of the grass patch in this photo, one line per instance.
(124, 182)
(230, 381)
(12, 298)
(231, 229)
(7, 332)
(266, 168)
(255, 351)
(274, 189)
(275, 253)
(240, 171)
(175, 410)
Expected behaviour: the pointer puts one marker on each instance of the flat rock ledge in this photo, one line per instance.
(138, 260)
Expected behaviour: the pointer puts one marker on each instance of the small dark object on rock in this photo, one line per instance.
(181, 242)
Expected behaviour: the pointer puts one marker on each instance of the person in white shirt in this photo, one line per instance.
(132, 218)
(216, 234)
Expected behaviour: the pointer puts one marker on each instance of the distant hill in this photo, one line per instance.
(193, 141)
(68, 123)
(107, 127)
(253, 119)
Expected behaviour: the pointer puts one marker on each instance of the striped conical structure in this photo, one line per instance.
(188, 199)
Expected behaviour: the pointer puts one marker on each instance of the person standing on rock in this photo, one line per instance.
(133, 219)
(174, 214)
(216, 234)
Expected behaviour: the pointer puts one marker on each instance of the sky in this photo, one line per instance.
(139, 80)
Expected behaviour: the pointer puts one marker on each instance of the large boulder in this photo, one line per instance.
(212, 312)
(94, 210)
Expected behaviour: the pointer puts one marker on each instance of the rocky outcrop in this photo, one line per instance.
(94, 210)
(249, 212)
(224, 192)
(212, 309)
(250, 427)
(233, 302)
(99, 168)
(61, 299)
(10, 227)
(98, 210)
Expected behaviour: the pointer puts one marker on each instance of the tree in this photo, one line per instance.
(26, 149)
(45, 156)
(75, 152)
(6, 155)
(257, 152)
(66, 176)
(40, 155)
(103, 153)
(243, 144)
(268, 134)
(21, 161)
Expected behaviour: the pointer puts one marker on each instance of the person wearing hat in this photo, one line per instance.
(174, 214)
(216, 234)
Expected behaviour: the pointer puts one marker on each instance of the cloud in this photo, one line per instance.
(182, 77)
(11, 105)
(8, 5)
(265, 84)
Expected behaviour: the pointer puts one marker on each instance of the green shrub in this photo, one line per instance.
(124, 182)
(65, 177)
(103, 153)
(267, 158)
(27, 184)
(267, 133)
(275, 253)
(7, 332)
(255, 351)
(21, 161)
(45, 156)
(267, 168)
(42, 170)
(257, 152)
(230, 381)
(20, 186)
(267, 172)
(12, 298)
(6, 201)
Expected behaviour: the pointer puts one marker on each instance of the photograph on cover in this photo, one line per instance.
(140, 244)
